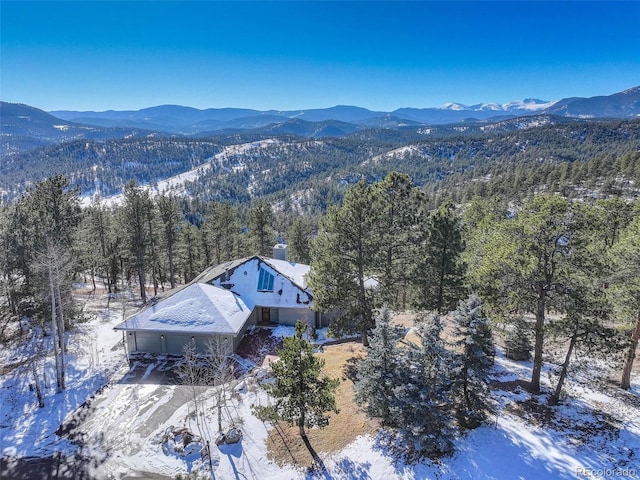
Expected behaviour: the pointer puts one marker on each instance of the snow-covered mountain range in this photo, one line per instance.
(187, 120)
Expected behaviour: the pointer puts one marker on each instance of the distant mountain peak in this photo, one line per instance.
(528, 104)
(454, 106)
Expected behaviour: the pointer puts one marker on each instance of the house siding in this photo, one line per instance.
(172, 343)
(244, 281)
(289, 316)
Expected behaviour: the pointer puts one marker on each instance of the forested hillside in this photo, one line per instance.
(309, 174)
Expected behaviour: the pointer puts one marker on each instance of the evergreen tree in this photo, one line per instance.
(439, 272)
(420, 405)
(584, 326)
(524, 265)
(396, 202)
(588, 307)
(517, 342)
(170, 220)
(190, 251)
(343, 257)
(474, 360)
(55, 211)
(135, 217)
(52, 209)
(95, 232)
(261, 228)
(377, 373)
(299, 236)
(302, 396)
(221, 231)
(627, 289)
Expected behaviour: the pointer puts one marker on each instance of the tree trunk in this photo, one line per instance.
(93, 278)
(440, 304)
(539, 341)
(365, 337)
(625, 383)
(36, 381)
(54, 332)
(219, 413)
(142, 279)
(61, 330)
(172, 268)
(555, 398)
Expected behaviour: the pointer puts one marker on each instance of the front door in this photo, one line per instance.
(266, 315)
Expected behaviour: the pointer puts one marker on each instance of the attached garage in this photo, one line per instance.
(199, 311)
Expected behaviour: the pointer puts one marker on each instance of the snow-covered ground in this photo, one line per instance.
(125, 428)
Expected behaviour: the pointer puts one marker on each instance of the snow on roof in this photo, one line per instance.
(197, 308)
(295, 272)
(216, 271)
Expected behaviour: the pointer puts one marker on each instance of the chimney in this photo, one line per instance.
(280, 252)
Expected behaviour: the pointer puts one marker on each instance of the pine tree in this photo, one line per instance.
(189, 251)
(299, 240)
(135, 215)
(420, 405)
(396, 203)
(221, 231)
(302, 396)
(170, 219)
(439, 272)
(524, 264)
(627, 287)
(517, 342)
(377, 373)
(261, 227)
(343, 257)
(474, 360)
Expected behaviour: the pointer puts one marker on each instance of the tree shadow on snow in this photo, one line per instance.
(348, 468)
(55, 467)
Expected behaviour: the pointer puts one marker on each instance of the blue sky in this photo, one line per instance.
(87, 55)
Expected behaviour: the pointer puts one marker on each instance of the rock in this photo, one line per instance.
(220, 439)
(234, 435)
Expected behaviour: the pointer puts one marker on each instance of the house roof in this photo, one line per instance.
(201, 307)
(197, 308)
(216, 271)
(295, 272)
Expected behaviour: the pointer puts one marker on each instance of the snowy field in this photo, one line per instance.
(130, 424)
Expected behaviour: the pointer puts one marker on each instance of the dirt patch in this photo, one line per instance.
(535, 412)
(511, 386)
(257, 344)
(285, 445)
(4, 369)
(404, 319)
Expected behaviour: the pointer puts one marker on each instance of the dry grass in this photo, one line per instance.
(285, 446)
(408, 320)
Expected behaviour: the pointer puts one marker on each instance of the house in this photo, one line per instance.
(224, 301)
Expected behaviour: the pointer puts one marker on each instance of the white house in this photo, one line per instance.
(224, 301)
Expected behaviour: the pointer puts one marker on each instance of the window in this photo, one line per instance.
(265, 281)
